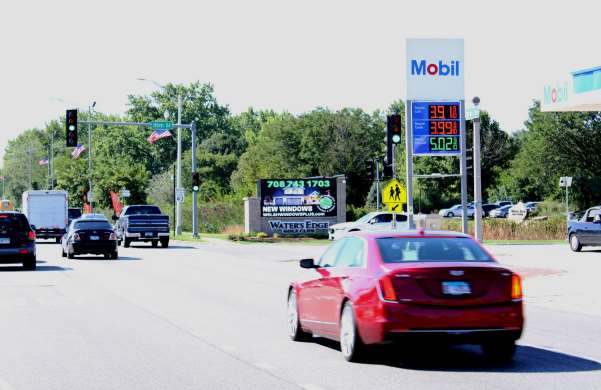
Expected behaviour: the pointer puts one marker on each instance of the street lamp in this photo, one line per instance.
(178, 180)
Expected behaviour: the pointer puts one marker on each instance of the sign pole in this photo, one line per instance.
(567, 207)
(477, 177)
(377, 184)
(463, 171)
(409, 163)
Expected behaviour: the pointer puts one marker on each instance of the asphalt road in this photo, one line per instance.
(212, 316)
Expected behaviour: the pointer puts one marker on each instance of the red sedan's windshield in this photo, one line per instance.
(402, 249)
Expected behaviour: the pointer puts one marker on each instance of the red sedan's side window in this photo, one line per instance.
(328, 259)
(352, 253)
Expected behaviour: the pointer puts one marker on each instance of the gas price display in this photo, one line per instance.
(436, 128)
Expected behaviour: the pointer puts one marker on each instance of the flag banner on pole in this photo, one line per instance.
(157, 135)
(78, 151)
(43, 161)
(117, 206)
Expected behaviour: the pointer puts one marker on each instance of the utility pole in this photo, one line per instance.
(30, 152)
(178, 207)
(477, 175)
(194, 193)
(51, 184)
(90, 195)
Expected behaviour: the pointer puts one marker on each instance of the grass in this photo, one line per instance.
(524, 242)
(187, 236)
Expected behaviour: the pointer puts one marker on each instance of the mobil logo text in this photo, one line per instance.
(435, 68)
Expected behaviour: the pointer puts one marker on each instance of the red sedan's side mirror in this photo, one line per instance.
(308, 263)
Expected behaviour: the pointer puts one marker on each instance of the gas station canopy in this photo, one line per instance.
(580, 92)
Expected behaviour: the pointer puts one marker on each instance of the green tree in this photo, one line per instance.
(557, 144)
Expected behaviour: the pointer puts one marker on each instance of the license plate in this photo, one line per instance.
(456, 288)
(94, 238)
(4, 240)
(148, 234)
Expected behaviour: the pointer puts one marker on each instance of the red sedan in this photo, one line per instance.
(379, 288)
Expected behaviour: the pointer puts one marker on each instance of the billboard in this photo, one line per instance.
(298, 197)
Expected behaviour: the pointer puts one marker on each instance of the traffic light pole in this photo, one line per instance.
(194, 193)
(178, 205)
(90, 196)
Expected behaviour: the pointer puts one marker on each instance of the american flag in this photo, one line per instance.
(157, 135)
(43, 161)
(78, 151)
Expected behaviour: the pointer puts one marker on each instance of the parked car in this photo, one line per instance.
(17, 240)
(372, 221)
(531, 206)
(456, 211)
(90, 236)
(501, 212)
(73, 214)
(585, 231)
(143, 223)
(502, 203)
(488, 207)
(381, 287)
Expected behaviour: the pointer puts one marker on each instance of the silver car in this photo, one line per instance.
(378, 220)
(456, 211)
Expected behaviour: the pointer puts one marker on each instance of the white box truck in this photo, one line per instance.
(47, 212)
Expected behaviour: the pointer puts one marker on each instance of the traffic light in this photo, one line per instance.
(71, 127)
(195, 181)
(387, 171)
(393, 133)
(370, 169)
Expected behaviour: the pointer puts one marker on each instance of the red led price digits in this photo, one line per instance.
(440, 111)
(444, 128)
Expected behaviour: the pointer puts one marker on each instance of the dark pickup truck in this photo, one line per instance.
(143, 223)
(585, 231)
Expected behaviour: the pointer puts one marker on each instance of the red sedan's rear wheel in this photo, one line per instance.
(294, 329)
(351, 346)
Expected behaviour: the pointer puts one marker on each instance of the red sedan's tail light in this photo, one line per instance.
(76, 237)
(516, 287)
(31, 235)
(388, 293)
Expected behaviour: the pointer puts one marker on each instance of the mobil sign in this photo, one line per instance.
(435, 69)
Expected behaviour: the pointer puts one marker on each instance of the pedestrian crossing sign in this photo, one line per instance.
(394, 192)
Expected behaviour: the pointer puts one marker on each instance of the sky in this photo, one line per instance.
(279, 54)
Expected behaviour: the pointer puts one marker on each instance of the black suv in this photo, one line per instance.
(17, 240)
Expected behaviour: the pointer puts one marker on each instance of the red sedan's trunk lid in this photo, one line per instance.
(451, 284)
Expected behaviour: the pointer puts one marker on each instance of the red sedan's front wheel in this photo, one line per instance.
(294, 329)
(350, 343)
